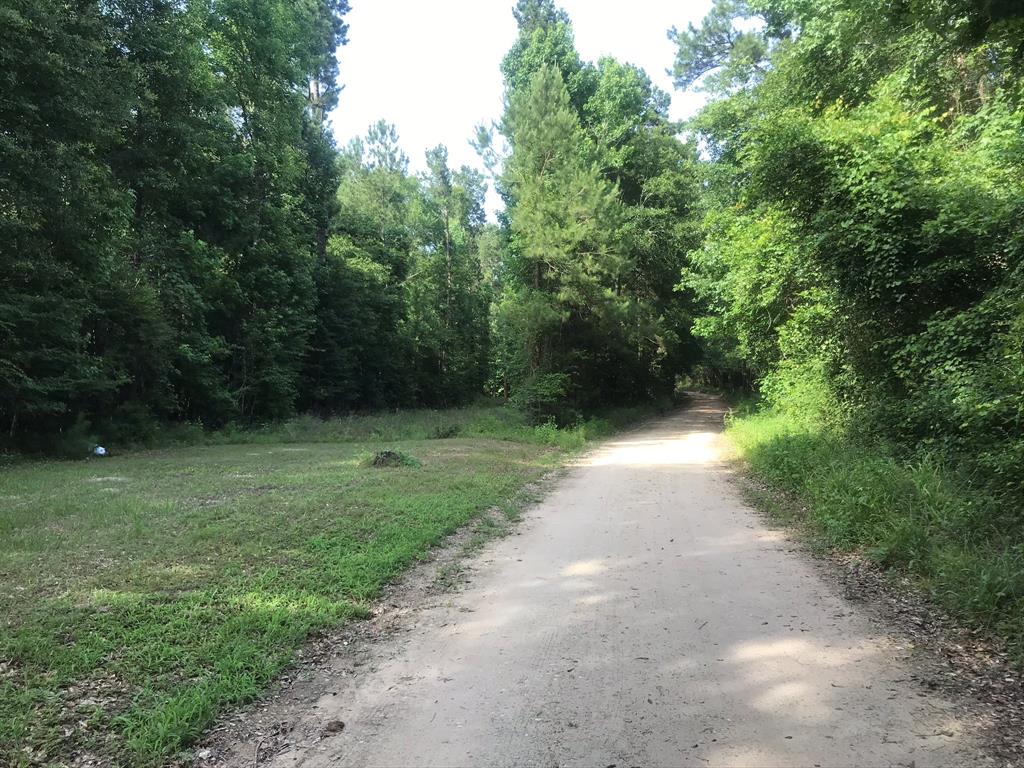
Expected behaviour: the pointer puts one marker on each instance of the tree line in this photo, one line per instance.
(838, 228)
(184, 242)
(167, 188)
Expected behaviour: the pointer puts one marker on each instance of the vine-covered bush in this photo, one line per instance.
(863, 256)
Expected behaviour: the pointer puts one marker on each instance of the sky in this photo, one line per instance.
(432, 67)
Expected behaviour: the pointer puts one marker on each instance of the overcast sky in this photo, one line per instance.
(432, 67)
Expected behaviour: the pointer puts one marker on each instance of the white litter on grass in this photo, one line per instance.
(99, 450)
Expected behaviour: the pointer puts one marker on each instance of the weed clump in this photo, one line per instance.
(390, 458)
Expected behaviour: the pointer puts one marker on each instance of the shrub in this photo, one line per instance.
(543, 398)
(391, 458)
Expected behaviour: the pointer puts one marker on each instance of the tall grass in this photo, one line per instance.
(915, 515)
(486, 419)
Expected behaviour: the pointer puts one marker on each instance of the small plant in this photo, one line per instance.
(390, 458)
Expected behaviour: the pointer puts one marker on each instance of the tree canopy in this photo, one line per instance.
(862, 257)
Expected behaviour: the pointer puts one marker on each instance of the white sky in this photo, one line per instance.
(432, 67)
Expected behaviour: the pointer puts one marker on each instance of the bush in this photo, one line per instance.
(131, 424)
(445, 431)
(73, 442)
(390, 458)
(544, 398)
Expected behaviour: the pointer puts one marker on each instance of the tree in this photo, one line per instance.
(599, 196)
(546, 40)
(719, 53)
(563, 259)
(359, 356)
(655, 173)
(447, 299)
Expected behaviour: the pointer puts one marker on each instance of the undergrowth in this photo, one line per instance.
(914, 514)
(485, 419)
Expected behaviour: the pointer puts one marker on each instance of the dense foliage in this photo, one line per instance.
(175, 243)
(401, 305)
(167, 180)
(183, 241)
(864, 258)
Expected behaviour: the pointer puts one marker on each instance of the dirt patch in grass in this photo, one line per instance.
(217, 500)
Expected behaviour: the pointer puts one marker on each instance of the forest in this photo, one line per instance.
(184, 243)
(861, 267)
(838, 230)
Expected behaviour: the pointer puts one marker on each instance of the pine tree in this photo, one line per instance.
(446, 298)
(564, 260)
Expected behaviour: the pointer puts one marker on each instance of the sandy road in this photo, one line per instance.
(644, 616)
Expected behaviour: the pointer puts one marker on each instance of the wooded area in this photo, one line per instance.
(185, 243)
(862, 264)
(862, 247)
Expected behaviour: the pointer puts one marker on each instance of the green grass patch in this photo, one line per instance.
(144, 593)
(914, 515)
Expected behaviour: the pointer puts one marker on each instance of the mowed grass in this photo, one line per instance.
(143, 594)
(911, 514)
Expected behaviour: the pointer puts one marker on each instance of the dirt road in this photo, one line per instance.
(644, 616)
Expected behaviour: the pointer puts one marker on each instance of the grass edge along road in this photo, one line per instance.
(145, 593)
(912, 515)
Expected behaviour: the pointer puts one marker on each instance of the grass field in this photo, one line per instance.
(144, 593)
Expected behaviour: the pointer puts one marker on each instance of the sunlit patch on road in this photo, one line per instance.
(694, 448)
